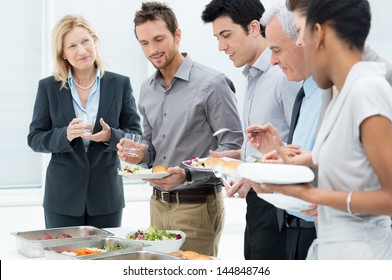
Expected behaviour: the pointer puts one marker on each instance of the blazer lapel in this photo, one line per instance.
(107, 90)
(65, 103)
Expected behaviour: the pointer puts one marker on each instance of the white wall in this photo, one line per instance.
(113, 21)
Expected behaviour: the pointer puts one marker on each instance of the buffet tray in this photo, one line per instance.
(56, 252)
(139, 255)
(31, 243)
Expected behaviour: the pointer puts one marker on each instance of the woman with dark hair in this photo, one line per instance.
(353, 148)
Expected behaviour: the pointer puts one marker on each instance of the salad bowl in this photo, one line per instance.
(164, 241)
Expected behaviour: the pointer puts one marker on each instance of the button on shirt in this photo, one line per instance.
(92, 104)
(305, 131)
(179, 121)
(269, 98)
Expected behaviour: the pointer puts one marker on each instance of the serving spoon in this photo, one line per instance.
(219, 131)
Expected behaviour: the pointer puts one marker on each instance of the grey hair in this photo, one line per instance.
(285, 17)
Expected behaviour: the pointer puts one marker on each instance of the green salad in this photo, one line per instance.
(153, 234)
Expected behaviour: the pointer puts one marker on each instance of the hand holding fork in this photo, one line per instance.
(225, 182)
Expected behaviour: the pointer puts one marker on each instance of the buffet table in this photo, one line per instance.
(10, 252)
(231, 244)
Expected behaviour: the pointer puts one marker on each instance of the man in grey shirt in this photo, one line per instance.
(269, 98)
(182, 104)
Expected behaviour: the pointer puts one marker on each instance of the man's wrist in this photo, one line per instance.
(188, 175)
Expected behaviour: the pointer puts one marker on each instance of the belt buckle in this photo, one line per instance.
(165, 194)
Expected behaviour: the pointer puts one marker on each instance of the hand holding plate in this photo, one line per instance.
(176, 177)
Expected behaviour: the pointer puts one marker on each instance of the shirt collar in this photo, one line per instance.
(183, 72)
(262, 64)
(309, 86)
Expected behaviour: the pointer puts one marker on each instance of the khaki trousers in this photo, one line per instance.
(202, 223)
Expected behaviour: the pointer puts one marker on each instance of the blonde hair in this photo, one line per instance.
(62, 27)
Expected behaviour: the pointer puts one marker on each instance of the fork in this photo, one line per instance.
(223, 178)
(219, 131)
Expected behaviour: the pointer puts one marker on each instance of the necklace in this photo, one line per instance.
(82, 86)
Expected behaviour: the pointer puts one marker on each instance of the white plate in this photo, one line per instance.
(187, 163)
(141, 176)
(217, 168)
(276, 173)
(285, 202)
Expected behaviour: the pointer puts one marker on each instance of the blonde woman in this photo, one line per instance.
(82, 186)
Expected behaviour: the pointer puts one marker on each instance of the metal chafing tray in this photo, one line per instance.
(140, 255)
(31, 243)
(57, 252)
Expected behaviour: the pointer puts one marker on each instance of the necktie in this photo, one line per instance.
(280, 214)
(295, 114)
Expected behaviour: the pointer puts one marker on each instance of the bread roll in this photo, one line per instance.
(213, 162)
(159, 169)
(177, 254)
(189, 254)
(230, 166)
(201, 257)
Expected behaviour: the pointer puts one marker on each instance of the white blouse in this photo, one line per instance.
(343, 166)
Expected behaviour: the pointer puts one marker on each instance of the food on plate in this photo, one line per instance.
(230, 166)
(154, 235)
(160, 169)
(128, 169)
(195, 162)
(213, 162)
(134, 170)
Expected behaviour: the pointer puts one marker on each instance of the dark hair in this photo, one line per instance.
(350, 19)
(298, 5)
(241, 12)
(152, 11)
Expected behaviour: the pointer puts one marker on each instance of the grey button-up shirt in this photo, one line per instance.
(269, 98)
(179, 121)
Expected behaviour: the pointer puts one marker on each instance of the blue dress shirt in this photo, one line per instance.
(92, 104)
(305, 131)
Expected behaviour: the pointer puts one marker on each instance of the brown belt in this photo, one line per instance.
(198, 195)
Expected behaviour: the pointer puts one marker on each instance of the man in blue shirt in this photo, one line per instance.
(281, 35)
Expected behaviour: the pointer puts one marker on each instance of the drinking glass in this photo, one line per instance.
(130, 149)
(88, 122)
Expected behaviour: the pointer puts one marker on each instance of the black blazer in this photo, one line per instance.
(76, 180)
